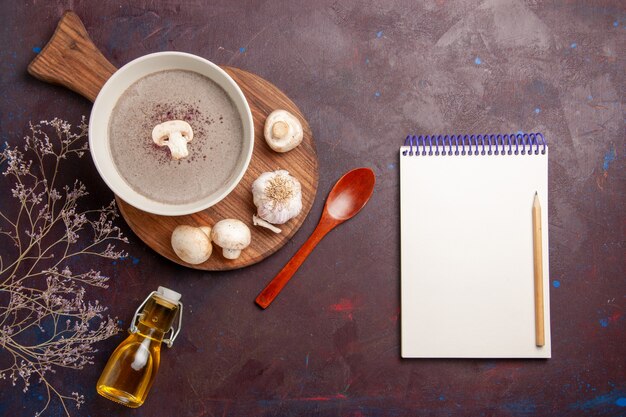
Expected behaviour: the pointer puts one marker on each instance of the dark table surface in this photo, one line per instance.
(365, 74)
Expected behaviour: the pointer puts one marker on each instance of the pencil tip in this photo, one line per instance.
(536, 193)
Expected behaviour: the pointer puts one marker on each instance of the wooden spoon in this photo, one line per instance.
(345, 200)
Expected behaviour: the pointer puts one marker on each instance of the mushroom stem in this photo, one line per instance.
(231, 253)
(177, 144)
(280, 129)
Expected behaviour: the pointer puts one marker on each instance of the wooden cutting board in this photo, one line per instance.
(71, 59)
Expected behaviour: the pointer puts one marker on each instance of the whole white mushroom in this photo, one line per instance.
(283, 131)
(232, 236)
(192, 244)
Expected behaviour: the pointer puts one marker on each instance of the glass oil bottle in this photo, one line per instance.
(131, 369)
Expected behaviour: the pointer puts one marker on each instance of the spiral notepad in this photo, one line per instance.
(467, 245)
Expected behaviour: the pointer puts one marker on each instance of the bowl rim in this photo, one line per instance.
(133, 197)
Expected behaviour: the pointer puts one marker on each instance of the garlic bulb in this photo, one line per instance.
(277, 196)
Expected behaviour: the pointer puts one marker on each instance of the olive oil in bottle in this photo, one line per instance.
(132, 367)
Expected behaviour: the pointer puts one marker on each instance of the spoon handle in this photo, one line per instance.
(265, 297)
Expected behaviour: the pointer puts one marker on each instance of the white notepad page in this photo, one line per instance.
(467, 282)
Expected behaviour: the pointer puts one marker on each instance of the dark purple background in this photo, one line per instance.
(365, 74)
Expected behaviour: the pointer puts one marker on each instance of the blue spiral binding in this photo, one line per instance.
(490, 144)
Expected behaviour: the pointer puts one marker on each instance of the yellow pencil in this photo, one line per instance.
(538, 272)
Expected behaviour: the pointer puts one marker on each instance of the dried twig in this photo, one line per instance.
(46, 320)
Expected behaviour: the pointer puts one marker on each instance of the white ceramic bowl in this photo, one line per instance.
(113, 89)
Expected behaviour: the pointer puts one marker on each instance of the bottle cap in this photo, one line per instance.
(169, 295)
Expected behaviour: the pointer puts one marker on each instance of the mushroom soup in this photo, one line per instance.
(213, 153)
